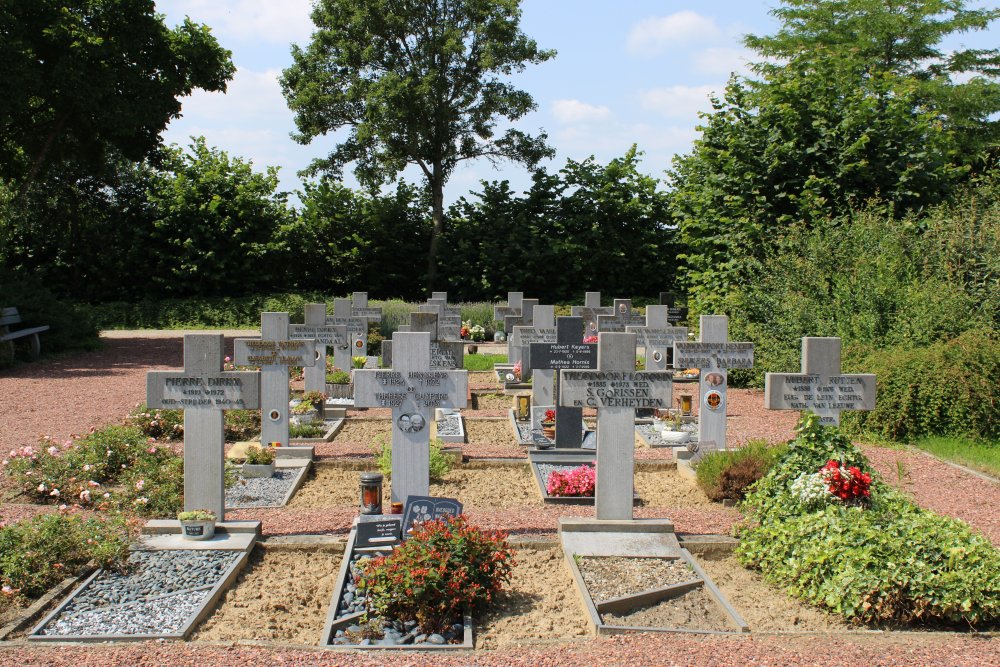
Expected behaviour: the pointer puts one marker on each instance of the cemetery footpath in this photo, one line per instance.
(282, 596)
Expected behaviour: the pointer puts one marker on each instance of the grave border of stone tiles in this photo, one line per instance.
(512, 418)
(36, 608)
(462, 435)
(599, 628)
(297, 482)
(567, 457)
(203, 611)
(327, 436)
(333, 624)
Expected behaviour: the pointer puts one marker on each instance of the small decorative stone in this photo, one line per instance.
(435, 639)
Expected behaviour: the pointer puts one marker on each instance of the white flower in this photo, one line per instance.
(53, 450)
(6, 462)
(42, 488)
(7, 590)
(54, 493)
(85, 496)
(87, 467)
(107, 495)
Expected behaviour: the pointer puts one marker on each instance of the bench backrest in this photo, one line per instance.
(9, 316)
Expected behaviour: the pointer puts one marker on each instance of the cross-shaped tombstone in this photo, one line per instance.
(445, 355)
(513, 307)
(449, 322)
(658, 337)
(413, 391)
(622, 316)
(316, 328)
(442, 296)
(387, 346)
(357, 334)
(714, 355)
(542, 330)
(360, 308)
(274, 352)
(617, 390)
(569, 352)
(676, 313)
(525, 319)
(821, 387)
(203, 390)
(590, 311)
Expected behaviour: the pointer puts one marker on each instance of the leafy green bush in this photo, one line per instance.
(168, 424)
(37, 553)
(948, 388)
(305, 431)
(442, 568)
(891, 562)
(718, 473)
(440, 463)
(202, 312)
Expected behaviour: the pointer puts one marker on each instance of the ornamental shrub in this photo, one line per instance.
(168, 424)
(444, 567)
(440, 463)
(729, 473)
(576, 482)
(37, 553)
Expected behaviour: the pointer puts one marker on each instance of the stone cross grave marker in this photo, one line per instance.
(513, 307)
(316, 328)
(590, 311)
(274, 352)
(617, 390)
(445, 355)
(525, 319)
(676, 313)
(542, 330)
(622, 316)
(360, 308)
(203, 390)
(820, 387)
(658, 337)
(714, 355)
(443, 296)
(569, 352)
(357, 334)
(413, 391)
(449, 323)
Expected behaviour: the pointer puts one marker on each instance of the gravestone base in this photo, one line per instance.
(298, 452)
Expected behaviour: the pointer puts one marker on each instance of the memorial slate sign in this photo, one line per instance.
(235, 390)
(378, 531)
(418, 509)
(564, 356)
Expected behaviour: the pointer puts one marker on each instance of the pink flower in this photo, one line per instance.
(227, 359)
(53, 451)
(93, 483)
(42, 488)
(140, 484)
(85, 496)
(54, 493)
(7, 590)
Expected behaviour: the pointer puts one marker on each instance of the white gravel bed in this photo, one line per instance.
(261, 491)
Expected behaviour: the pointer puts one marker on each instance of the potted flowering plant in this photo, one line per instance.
(673, 433)
(259, 462)
(197, 524)
(549, 424)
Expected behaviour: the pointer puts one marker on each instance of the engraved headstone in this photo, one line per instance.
(203, 390)
(820, 387)
(413, 390)
(542, 330)
(617, 390)
(513, 307)
(316, 328)
(621, 316)
(419, 509)
(525, 319)
(714, 356)
(657, 338)
(445, 355)
(449, 323)
(590, 311)
(360, 308)
(569, 352)
(675, 313)
(273, 353)
(378, 531)
(357, 334)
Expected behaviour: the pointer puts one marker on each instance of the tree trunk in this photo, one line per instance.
(437, 228)
(39, 160)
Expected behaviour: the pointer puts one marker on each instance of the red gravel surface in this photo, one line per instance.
(98, 388)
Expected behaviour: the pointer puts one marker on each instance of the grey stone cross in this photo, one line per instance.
(316, 328)
(569, 352)
(590, 311)
(357, 334)
(658, 337)
(203, 390)
(622, 316)
(541, 330)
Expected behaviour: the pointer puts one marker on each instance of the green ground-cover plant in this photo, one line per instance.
(483, 362)
(196, 515)
(883, 561)
(444, 567)
(37, 553)
(305, 431)
(729, 473)
(337, 376)
(257, 455)
(982, 455)
(440, 463)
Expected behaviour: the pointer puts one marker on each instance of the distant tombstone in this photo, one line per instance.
(449, 322)
(820, 387)
(675, 313)
(525, 319)
(378, 531)
(419, 509)
(590, 311)
(569, 352)
(445, 355)
(513, 307)
(273, 353)
(360, 308)
(617, 390)
(203, 390)
(542, 330)
(622, 316)
(657, 338)
(316, 328)
(357, 334)
(714, 356)
(413, 391)
(387, 347)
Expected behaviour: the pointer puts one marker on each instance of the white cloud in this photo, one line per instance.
(653, 35)
(723, 60)
(251, 97)
(575, 111)
(678, 101)
(249, 20)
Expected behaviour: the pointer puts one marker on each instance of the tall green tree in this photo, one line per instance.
(83, 79)
(417, 83)
(857, 104)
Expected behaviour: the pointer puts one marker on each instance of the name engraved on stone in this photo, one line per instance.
(219, 393)
(430, 389)
(529, 335)
(713, 355)
(563, 356)
(367, 313)
(275, 352)
(615, 389)
(812, 392)
(324, 335)
(355, 325)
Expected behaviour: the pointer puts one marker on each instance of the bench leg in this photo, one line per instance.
(36, 346)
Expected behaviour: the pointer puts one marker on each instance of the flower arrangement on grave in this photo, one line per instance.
(315, 398)
(444, 568)
(466, 331)
(549, 424)
(477, 333)
(518, 368)
(259, 456)
(359, 361)
(834, 482)
(577, 482)
(196, 515)
(590, 339)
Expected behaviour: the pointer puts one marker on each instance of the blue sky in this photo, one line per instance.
(630, 71)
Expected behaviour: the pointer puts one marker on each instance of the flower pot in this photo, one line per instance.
(307, 417)
(198, 530)
(251, 470)
(675, 437)
(549, 430)
(473, 349)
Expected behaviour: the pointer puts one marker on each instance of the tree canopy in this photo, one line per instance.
(417, 83)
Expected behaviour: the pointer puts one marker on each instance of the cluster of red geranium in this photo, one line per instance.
(576, 482)
(846, 483)
(550, 416)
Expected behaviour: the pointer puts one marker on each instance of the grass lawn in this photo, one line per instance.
(483, 362)
(983, 455)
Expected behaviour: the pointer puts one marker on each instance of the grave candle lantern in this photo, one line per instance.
(685, 402)
(523, 406)
(371, 493)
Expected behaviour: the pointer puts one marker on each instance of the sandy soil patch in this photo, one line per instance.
(483, 379)
(496, 432)
(280, 596)
(372, 432)
(609, 578)
(696, 610)
(666, 488)
(494, 402)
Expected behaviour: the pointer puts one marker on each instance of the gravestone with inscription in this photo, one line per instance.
(525, 319)
(360, 308)
(617, 390)
(569, 352)
(657, 338)
(542, 330)
(820, 387)
(621, 316)
(512, 308)
(445, 355)
(449, 322)
(675, 313)
(357, 334)
(273, 353)
(413, 390)
(203, 390)
(714, 356)
(419, 509)
(316, 329)
(590, 311)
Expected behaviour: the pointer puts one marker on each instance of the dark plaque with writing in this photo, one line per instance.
(426, 508)
(378, 531)
(569, 356)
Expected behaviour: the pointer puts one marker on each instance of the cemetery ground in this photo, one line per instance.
(276, 610)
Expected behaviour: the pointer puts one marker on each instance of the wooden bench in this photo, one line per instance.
(9, 316)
